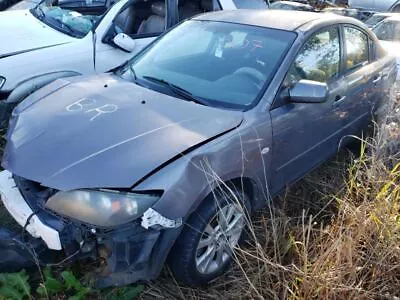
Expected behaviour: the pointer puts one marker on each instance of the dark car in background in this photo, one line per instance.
(165, 159)
(4, 4)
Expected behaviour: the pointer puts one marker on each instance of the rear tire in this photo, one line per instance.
(204, 249)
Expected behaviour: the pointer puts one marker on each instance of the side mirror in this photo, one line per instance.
(124, 41)
(307, 91)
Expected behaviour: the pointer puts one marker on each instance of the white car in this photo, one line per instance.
(388, 33)
(372, 21)
(48, 42)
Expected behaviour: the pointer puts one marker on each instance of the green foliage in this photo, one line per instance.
(125, 293)
(73, 284)
(50, 286)
(70, 285)
(15, 286)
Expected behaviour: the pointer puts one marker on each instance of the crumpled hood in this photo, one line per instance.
(104, 132)
(20, 32)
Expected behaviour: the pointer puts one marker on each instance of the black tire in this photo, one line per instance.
(182, 258)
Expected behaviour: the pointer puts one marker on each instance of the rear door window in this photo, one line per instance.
(357, 48)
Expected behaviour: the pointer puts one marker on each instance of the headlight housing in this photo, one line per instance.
(2, 82)
(105, 208)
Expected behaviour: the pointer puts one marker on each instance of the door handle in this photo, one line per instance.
(377, 79)
(339, 98)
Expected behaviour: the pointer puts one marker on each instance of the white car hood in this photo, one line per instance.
(393, 48)
(22, 32)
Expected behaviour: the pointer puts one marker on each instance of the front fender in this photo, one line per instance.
(27, 87)
(187, 181)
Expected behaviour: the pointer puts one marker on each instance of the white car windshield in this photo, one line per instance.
(388, 31)
(224, 64)
(372, 21)
(67, 21)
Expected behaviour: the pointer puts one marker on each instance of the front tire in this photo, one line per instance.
(204, 249)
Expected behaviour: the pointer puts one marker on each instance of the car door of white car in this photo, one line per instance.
(141, 22)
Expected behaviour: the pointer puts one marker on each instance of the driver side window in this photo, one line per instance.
(142, 18)
(319, 59)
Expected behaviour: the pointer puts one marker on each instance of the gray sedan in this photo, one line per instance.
(166, 158)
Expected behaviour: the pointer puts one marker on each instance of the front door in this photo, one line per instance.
(141, 20)
(305, 134)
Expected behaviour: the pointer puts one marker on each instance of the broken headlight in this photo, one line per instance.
(2, 82)
(101, 207)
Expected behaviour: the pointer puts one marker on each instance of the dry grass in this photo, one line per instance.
(334, 235)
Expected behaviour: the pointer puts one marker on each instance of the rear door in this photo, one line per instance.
(305, 134)
(363, 79)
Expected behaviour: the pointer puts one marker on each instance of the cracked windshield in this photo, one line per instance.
(67, 21)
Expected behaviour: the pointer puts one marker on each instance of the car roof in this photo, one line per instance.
(277, 19)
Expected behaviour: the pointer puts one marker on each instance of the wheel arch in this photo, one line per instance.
(248, 185)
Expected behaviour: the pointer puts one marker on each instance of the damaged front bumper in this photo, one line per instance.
(6, 109)
(124, 255)
(23, 214)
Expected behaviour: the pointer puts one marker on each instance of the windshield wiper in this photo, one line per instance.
(178, 90)
(133, 72)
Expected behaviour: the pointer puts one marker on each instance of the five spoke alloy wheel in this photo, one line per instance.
(204, 248)
(219, 238)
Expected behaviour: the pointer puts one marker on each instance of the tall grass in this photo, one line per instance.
(333, 235)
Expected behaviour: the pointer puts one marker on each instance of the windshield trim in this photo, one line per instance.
(215, 103)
